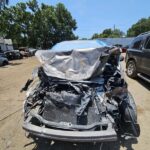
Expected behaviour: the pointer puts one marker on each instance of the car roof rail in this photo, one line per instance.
(144, 33)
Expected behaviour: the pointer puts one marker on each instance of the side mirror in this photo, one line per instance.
(121, 58)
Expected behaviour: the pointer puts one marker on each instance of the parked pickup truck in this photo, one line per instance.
(138, 57)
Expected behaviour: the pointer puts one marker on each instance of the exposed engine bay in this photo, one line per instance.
(95, 108)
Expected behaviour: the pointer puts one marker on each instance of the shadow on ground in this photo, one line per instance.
(11, 64)
(44, 144)
(14, 64)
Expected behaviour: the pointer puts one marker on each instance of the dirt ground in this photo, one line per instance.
(13, 137)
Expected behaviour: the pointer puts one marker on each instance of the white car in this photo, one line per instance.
(3, 61)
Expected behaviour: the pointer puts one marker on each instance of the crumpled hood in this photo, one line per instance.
(78, 64)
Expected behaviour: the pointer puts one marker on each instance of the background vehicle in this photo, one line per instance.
(13, 54)
(3, 61)
(85, 98)
(138, 57)
(2, 54)
(27, 52)
(24, 51)
(32, 51)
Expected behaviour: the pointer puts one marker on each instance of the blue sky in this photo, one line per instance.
(93, 16)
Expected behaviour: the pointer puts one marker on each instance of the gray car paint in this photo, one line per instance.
(2, 59)
(141, 56)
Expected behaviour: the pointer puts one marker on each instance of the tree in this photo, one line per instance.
(14, 23)
(143, 25)
(65, 24)
(95, 36)
(30, 24)
(106, 33)
(84, 39)
(117, 33)
(109, 33)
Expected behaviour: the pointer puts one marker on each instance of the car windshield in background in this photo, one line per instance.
(80, 44)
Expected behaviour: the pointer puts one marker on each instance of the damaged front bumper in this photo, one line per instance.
(71, 136)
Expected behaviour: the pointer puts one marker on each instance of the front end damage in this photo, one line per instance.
(95, 108)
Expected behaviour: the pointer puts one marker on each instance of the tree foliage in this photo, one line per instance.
(143, 25)
(108, 33)
(30, 24)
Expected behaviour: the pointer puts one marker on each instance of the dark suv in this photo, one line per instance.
(138, 57)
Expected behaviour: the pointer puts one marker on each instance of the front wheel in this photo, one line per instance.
(131, 69)
(129, 116)
(5, 63)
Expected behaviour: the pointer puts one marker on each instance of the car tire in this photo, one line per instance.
(132, 126)
(130, 117)
(131, 69)
(132, 104)
(5, 63)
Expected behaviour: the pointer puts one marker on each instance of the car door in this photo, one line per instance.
(145, 63)
(135, 51)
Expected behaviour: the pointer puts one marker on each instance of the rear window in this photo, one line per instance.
(147, 43)
(137, 43)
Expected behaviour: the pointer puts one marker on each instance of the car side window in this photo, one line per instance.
(147, 43)
(137, 43)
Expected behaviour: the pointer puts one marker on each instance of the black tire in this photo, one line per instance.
(5, 63)
(21, 56)
(131, 117)
(132, 126)
(131, 69)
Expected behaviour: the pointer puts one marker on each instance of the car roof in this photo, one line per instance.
(78, 44)
(144, 34)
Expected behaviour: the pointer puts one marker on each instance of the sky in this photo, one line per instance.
(93, 16)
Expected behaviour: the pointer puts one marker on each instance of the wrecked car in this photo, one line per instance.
(13, 54)
(79, 94)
